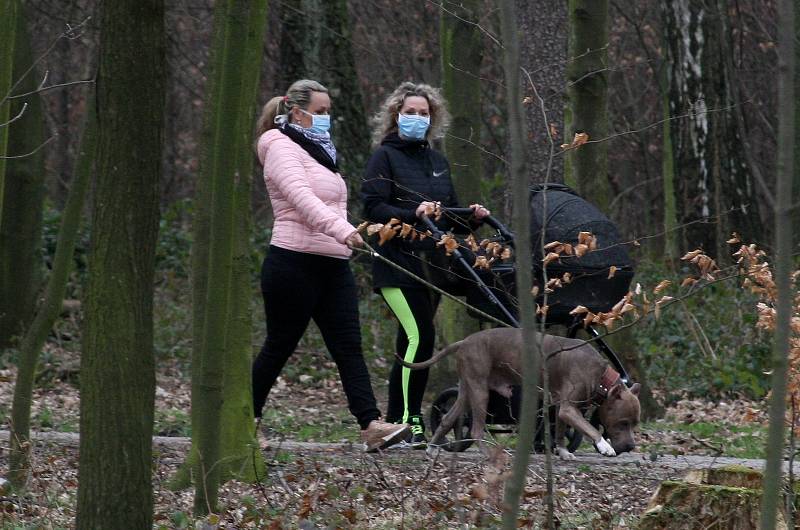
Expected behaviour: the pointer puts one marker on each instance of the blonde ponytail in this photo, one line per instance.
(298, 95)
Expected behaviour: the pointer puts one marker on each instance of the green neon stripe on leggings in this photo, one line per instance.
(399, 306)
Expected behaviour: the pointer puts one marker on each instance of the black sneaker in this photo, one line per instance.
(417, 440)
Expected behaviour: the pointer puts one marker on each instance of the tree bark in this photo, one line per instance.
(222, 410)
(9, 9)
(21, 225)
(117, 363)
(586, 168)
(783, 264)
(50, 309)
(461, 44)
(531, 358)
(713, 184)
(543, 54)
(338, 72)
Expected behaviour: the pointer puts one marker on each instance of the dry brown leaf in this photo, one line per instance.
(386, 233)
(691, 255)
(688, 281)
(405, 230)
(471, 243)
(612, 270)
(588, 318)
(663, 284)
(506, 254)
(549, 258)
(552, 244)
(581, 249)
(362, 226)
(579, 310)
(584, 237)
(567, 278)
(374, 229)
(535, 291)
(481, 263)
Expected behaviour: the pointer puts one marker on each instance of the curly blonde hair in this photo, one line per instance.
(385, 120)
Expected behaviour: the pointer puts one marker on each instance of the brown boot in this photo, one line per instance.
(380, 435)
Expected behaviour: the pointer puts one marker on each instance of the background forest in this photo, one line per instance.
(678, 100)
(687, 79)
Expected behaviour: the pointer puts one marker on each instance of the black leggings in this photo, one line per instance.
(298, 287)
(414, 309)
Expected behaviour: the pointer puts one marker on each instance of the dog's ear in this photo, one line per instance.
(615, 391)
(635, 389)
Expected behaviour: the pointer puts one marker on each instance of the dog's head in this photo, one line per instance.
(619, 415)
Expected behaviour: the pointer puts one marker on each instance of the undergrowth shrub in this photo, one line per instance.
(708, 345)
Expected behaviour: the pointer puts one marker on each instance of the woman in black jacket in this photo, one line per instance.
(405, 179)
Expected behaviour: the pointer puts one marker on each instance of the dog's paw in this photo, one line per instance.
(604, 447)
(564, 454)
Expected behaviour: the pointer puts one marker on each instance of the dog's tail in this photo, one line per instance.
(436, 357)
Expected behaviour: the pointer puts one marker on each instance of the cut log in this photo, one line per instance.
(723, 498)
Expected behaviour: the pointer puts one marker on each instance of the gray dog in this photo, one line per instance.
(579, 378)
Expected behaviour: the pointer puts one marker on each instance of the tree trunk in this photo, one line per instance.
(21, 225)
(670, 225)
(713, 184)
(586, 168)
(531, 358)
(350, 129)
(543, 54)
(222, 416)
(117, 363)
(8, 24)
(461, 43)
(796, 180)
(36, 335)
(783, 263)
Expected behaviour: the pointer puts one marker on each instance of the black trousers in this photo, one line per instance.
(298, 287)
(416, 334)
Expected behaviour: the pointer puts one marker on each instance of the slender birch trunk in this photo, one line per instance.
(531, 358)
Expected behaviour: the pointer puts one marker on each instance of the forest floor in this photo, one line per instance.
(317, 476)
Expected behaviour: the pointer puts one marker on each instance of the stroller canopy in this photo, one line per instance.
(562, 214)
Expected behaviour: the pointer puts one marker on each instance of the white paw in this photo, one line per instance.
(604, 447)
(563, 454)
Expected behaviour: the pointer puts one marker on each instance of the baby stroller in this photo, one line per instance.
(492, 292)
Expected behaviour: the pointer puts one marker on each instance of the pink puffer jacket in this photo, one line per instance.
(309, 201)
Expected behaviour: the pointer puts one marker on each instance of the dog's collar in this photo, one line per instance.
(609, 380)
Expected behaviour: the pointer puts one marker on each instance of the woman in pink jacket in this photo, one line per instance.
(306, 274)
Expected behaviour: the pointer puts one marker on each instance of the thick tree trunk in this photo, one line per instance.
(586, 168)
(531, 358)
(8, 23)
(350, 129)
(461, 43)
(117, 364)
(783, 263)
(222, 410)
(543, 54)
(712, 182)
(36, 335)
(21, 225)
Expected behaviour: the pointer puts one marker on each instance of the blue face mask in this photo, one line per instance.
(320, 123)
(413, 126)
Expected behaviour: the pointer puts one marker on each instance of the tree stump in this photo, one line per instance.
(722, 498)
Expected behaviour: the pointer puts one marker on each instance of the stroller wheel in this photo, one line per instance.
(461, 430)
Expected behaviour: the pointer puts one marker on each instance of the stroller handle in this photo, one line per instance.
(505, 233)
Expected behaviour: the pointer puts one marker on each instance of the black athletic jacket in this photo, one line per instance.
(400, 175)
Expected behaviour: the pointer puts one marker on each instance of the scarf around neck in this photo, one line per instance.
(319, 146)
